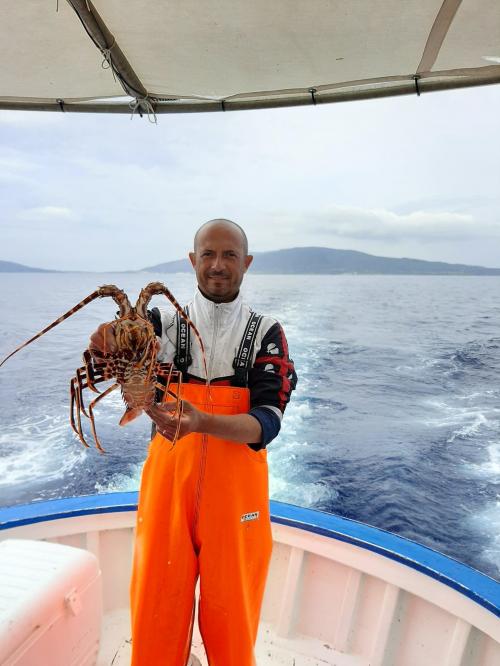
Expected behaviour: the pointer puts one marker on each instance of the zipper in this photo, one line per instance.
(214, 340)
(204, 438)
(201, 474)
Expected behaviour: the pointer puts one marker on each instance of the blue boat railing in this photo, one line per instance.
(477, 586)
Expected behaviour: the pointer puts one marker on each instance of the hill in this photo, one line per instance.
(12, 267)
(327, 261)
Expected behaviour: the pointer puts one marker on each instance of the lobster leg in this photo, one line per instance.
(111, 290)
(82, 381)
(77, 384)
(91, 413)
(179, 408)
(176, 395)
(72, 394)
(75, 399)
(164, 369)
(80, 386)
(89, 369)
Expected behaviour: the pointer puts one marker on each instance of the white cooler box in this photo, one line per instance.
(50, 605)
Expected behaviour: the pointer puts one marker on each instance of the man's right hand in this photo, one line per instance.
(103, 341)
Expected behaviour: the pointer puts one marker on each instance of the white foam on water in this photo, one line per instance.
(476, 424)
(286, 484)
(307, 495)
(37, 449)
(491, 466)
(469, 429)
(488, 523)
(465, 422)
(301, 494)
(476, 394)
(292, 421)
(120, 483)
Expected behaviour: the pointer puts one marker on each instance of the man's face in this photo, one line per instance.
(220, 262)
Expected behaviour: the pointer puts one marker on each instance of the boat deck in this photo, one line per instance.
(271, 650)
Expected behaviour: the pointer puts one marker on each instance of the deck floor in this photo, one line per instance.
(270, 649)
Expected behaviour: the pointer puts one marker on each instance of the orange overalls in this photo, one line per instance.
(203, 510)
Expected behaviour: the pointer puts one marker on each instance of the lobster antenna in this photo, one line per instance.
(119, 296)
(156, 288)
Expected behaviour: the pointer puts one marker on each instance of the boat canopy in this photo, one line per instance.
(167, 56)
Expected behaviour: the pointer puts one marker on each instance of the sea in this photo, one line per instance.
(395, 421)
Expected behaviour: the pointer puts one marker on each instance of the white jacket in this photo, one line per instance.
(221, 326)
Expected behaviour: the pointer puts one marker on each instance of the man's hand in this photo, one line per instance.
(167, 421)
(103, 340)
(243, 428)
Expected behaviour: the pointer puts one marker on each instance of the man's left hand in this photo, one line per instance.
(167, 420)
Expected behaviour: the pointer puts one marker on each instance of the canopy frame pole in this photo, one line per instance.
(105, 41)
(437, 35)
(426, 84)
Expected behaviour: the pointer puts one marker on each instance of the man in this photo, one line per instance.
(204, 507)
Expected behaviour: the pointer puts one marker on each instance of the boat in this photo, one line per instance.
(339, 592)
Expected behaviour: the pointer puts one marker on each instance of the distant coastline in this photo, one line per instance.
(12, 267)
(308, 261)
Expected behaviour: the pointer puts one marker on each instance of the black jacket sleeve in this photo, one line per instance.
(272, 378)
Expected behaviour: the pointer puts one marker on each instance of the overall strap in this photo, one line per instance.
(243, 358)
(155, 319)
(183, 358)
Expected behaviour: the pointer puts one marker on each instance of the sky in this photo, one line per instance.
(401, 177)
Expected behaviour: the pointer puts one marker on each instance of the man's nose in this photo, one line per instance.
(217, 262)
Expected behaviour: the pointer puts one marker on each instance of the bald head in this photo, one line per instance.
(222, 223)
(220, 259)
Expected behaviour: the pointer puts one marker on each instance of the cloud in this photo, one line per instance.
(276, 172)
(15, 166)
(47, 214)
(382, 224)
(26, 119)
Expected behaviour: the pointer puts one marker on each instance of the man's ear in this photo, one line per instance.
(192, 259)
(248, 261)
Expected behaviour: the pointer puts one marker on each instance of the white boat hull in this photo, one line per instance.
(338, 592)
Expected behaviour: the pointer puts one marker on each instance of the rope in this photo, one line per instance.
(107, 62)
(135, 105)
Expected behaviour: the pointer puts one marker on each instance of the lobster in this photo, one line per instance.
(125, 350)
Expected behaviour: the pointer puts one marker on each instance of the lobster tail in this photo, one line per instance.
(130, 414)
